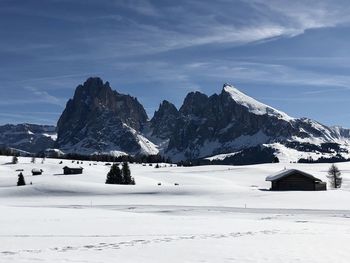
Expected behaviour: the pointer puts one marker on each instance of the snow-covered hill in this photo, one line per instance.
(213, 214)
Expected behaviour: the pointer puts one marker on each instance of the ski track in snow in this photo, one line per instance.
(142, 240)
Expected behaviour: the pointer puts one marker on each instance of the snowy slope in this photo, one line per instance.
(225, 209)
(253, 105)
(196, 184)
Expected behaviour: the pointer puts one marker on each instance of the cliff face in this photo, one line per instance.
(98, 119)
(165, 120)
(232, 121)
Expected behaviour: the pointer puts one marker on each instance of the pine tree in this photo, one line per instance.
(334, 176)
(14, 159)
(117, 176)
(127, 174)
(21, 180)
(114, 175)
(275, 160)
(110, 178)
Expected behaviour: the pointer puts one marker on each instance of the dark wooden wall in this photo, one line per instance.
(294, 182)
(72, 171)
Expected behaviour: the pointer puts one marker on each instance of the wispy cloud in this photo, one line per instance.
(265, 73)
(43, 96)
(197, 24)
(143, 7)
(233, 71)
(321, 13)
(57, 77)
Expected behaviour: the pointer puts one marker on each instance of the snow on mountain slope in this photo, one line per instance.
(319, 133)
(253, 105)
(52, 135)
(221, 156)
(27, 137)
(147, 147)
(286, 154)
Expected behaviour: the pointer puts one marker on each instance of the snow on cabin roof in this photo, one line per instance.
(73, 167)
(285, 173)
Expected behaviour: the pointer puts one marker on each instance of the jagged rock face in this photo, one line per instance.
(99, 119)
(164, 120)
(232, 121)
(219, 119)
(31, 138)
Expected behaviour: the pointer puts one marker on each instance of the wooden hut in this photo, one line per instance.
(36, 171)
(292, 179)
(72, 170)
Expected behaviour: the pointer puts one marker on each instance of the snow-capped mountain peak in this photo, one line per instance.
(253, 105)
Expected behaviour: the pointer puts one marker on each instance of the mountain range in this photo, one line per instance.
(229, 127)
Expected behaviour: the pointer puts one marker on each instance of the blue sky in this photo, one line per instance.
(292, 55)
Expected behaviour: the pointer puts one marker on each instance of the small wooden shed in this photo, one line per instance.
(36, 171)
(295, 180)
(72, 170)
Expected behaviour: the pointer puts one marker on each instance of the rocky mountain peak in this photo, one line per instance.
(166, 107)
(93, 87)
(164, 119)
(194, 103)
(97, 118)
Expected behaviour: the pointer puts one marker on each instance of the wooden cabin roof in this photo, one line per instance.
(73, 168)
(288, 172)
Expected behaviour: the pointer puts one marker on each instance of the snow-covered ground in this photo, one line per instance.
(214, 214)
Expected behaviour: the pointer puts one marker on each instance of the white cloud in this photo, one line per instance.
(143, 7)
(43, 96)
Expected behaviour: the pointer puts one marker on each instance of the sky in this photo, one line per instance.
(292, 55)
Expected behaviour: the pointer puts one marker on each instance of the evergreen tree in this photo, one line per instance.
(275, 160)
(334, 176)
(14, 159)
(127, 174)
(110, 178)
(21, 180)
(114, 175)
(117, 176)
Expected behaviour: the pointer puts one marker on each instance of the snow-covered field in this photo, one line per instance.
(214, 214)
